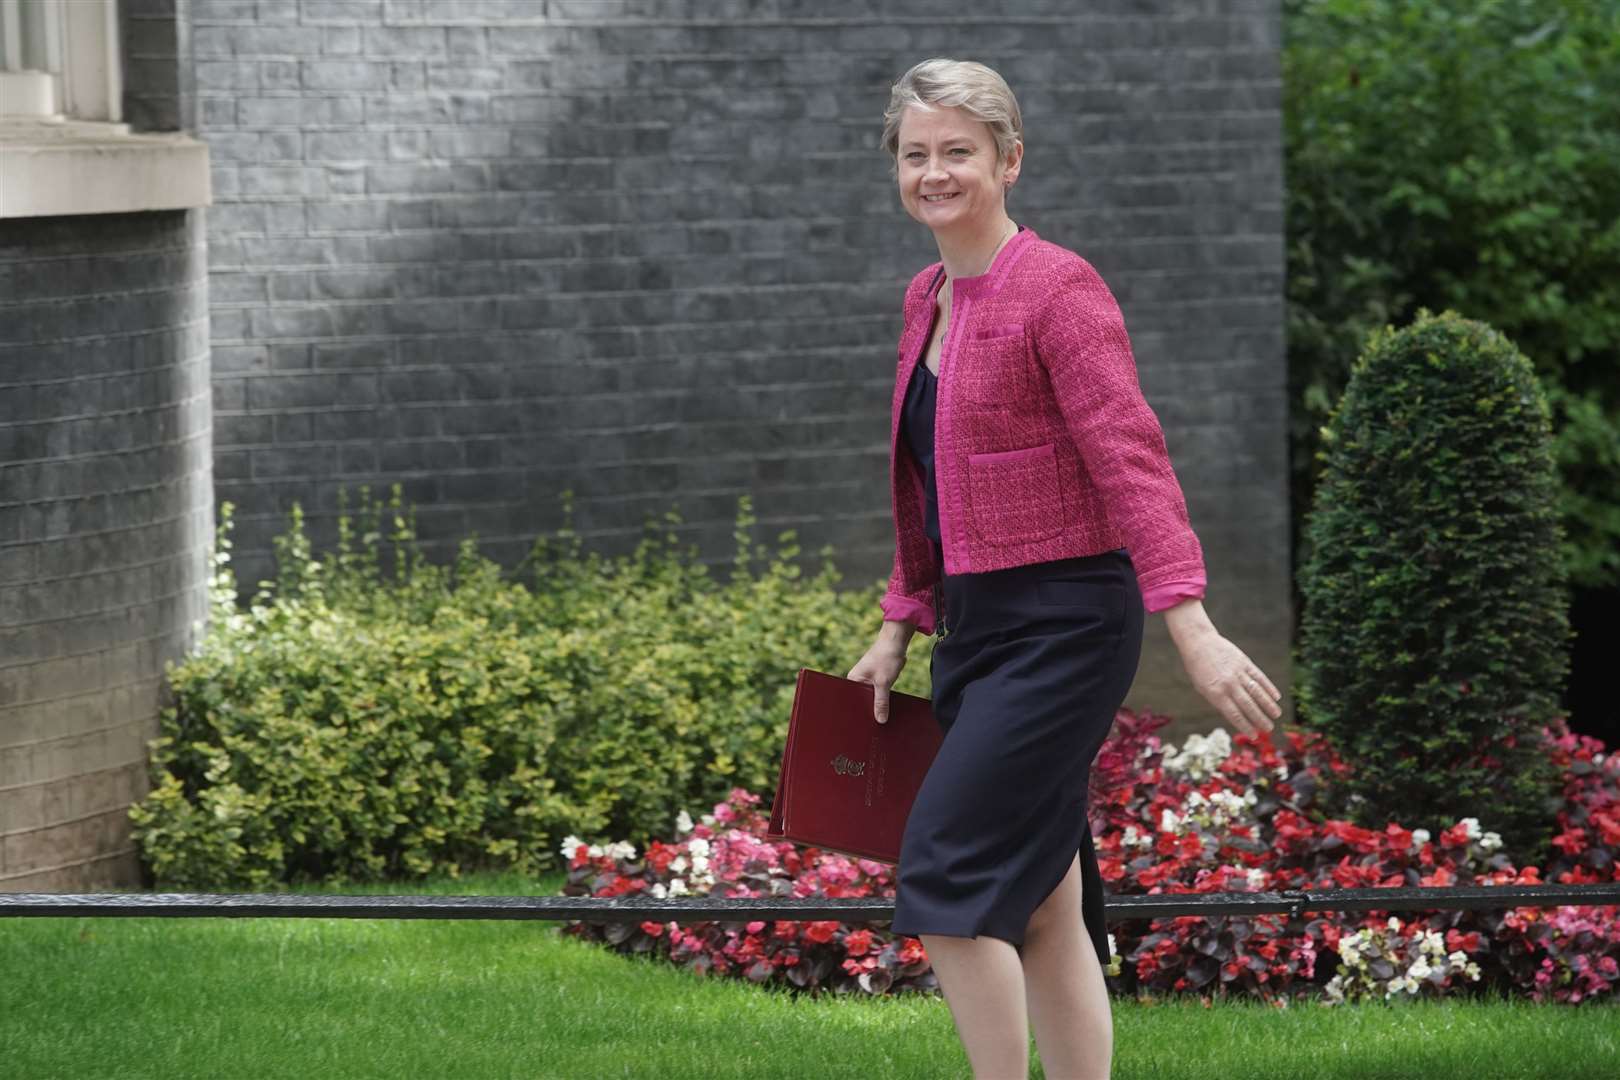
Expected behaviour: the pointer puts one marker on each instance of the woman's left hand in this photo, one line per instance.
(1231, 682)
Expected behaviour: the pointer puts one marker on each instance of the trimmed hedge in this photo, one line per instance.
(1463, 155)
(1434, 640)
(351, 727)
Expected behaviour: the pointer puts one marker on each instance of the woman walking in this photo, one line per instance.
(1037, 521)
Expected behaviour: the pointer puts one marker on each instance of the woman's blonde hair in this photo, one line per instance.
(966, 84)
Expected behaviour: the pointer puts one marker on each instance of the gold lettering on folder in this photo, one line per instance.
(844, 766)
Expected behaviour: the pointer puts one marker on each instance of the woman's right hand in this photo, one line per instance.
(880, 667)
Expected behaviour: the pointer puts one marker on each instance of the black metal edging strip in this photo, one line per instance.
(696, 909)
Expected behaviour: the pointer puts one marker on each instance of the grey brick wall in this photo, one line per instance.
(647, 249)
(157, 75)
(106, 514)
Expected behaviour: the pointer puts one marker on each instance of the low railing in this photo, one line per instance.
(596, 909)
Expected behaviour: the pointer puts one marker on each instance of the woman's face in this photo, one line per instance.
(945, 152)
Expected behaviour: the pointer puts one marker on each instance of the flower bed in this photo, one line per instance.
(1216, 815)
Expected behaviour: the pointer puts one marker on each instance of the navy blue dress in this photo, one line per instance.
(1032, 663)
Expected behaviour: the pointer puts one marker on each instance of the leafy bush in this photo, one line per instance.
(1217, 815)
(1461, 154)
(1434, 636)
(351, 727)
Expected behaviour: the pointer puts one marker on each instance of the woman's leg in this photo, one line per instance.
(984, 986)
(1068, 999)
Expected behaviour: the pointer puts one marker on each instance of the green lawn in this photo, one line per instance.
(322, 999)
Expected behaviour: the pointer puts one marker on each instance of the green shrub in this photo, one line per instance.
(1434, 637)
(1463, 155)
(347, 726)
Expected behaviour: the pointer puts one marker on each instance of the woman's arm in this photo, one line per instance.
(1087, 355)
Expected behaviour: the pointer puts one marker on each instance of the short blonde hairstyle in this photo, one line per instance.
(966, 84)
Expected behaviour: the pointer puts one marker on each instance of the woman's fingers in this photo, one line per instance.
(1276, 694)
(1248, 706)
(1255, 710)
(1262, 691)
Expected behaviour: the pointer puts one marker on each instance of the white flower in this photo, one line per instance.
(1257, 878)
(1282, 772)
(678, 864)
(1419, 971)
(622, 849)
(1490, 841)
(1129, 837)
(683, 822)
(1433, 943)
(1394, 923)
(1472, 827)
(1419, 838)
(698, 845)
(678, 888)
(659, 890)
(570, 844)
(1472, 971)
(1168, 822)
(700, 864)
(1458, 958)
(1201, 755)
(1111, 949)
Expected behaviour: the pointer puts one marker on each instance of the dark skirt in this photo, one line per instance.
(1034, 662)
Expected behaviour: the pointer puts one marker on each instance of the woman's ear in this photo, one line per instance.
(1015, 162)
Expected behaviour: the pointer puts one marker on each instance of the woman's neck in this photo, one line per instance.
(970, 254)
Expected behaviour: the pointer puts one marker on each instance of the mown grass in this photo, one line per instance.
(324, 999)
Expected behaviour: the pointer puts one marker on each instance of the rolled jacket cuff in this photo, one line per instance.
(1171, 593)
(904, 609)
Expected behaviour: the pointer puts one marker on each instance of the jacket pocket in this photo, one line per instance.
(1017, 495)
(994, 370)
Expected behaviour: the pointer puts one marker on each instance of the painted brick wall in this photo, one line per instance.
(648, 249)
(106, 514)
(157, 77)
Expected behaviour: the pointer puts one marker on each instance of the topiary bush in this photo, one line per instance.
(352, 725)
(1434, 640)
(1501, 202)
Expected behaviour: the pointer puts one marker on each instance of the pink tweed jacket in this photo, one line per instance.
(1044, 447)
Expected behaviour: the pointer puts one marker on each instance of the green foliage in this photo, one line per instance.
(349, 726)
(1434, 640)
(1464, 155)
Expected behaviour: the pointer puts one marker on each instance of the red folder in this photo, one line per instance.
(847, 782)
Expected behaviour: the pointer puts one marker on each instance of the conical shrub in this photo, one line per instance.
(1434, 636)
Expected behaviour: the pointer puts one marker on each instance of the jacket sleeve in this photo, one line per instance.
(916, 604)
(1081, 341)
(917, 607)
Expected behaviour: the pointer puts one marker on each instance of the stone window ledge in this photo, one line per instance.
(55, 168)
